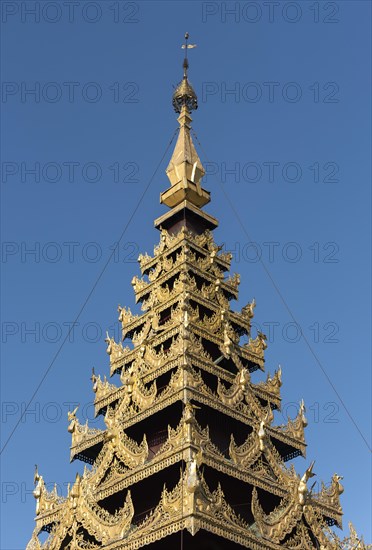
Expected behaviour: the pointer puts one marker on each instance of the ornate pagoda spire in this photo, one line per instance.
(185, 430)
(185, 171)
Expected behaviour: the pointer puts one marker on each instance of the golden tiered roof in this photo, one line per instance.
(187, 431)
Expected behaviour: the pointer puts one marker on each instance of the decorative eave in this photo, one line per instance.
(187, 439)
(203, 244)
(190, 443)
(80, 508)
(240, 323)
(328, 501)
(86, 442)
(121, 357)
(286, 518)
(106, 396)
(207, 261)
(186, 382)
(160, 463)
(192, 506)
(143, 288)
(48, 505)
(294, 445)
(204, 241)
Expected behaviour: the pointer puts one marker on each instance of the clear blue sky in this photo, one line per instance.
(297, 132)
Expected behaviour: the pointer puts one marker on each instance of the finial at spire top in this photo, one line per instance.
(186, 47)
(185, 196)
(184, 93)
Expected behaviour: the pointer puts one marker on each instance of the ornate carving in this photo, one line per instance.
(81, 507)
(302, 490)
(328, 499)
(258, 345)
(274, 383)
(351, 542)
(82, 436)
(191, 498)
(244, 455)
(300, 540)
(248, 310)
(33, 543)
(280, 522)
(102, 389)
(295, 428)
(115, 351)
(236, 393)
(186, 259)
(126, 318)
(46, 501)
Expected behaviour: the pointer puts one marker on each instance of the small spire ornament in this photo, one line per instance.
(184, 93)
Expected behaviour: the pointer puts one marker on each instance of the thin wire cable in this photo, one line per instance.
(89, 295)
(287, 307)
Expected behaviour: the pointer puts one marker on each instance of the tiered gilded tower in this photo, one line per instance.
(191, 456)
